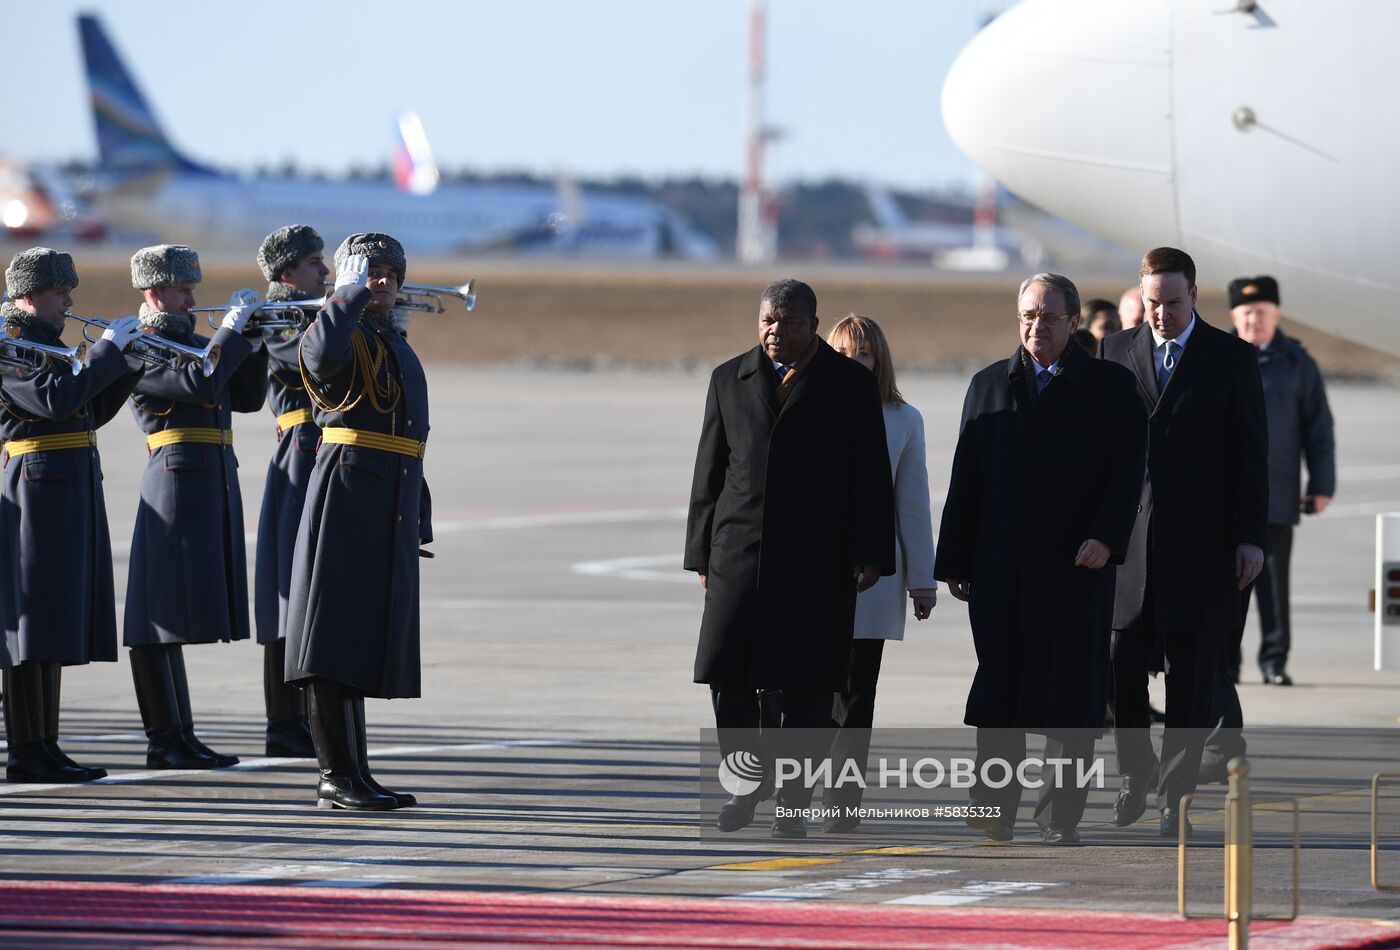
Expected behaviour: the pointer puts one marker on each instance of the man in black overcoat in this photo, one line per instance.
(1200, 533)
(791, 514)
(1041, 501)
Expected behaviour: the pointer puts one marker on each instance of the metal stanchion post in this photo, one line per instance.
(1239, 854)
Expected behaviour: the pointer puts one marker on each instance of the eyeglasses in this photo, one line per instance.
(1046, 320)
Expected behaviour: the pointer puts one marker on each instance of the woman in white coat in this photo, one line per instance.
(881, 610)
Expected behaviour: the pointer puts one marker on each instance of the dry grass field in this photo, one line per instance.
(577, 316)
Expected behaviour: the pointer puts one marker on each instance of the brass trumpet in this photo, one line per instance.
(27, 354)
(157, 350)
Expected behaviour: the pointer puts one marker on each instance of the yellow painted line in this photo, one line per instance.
(775, 864)
(898, 851)
(402, 824)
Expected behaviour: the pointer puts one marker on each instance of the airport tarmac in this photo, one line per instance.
(556, 747)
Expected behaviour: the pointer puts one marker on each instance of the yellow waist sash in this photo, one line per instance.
(46, 443)
(294, 418)
(339, 435)
(205, 436)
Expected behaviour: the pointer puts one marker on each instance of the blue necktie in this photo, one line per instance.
(1164, 372)
(1042, 379)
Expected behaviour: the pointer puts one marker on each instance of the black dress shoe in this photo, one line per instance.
(995, 828)
(1275, 676)
(841, 825)
(1131, 803)
(351, 792)
(90, 773)
(1169, 826)
(31, 764)
(737, 812)
(1065, 837)
(794, 826)
(221, 760)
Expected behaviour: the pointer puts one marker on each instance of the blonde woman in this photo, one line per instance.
(881, 610)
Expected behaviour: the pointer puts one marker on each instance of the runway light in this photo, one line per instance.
(15, 215)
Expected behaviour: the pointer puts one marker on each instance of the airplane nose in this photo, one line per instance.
(1067, 103)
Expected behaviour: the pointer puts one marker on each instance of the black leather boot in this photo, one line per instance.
(337, 752)
(52, 674)
(182, 704)
(160, 711)
(27, 758)
(288, 735)
(404, 799)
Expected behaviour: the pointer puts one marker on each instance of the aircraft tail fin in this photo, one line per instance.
(129, 139)
(414, 168)
(885, 208)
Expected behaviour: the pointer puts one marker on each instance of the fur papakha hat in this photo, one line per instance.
(39, 268)
(285, 246)
(165, 265)
(379, 248)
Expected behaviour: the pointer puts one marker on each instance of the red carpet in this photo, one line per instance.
(54, 913)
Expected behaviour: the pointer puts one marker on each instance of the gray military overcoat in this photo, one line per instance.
(56, 594)
(353, 617)
(284, 492)
(188, 581)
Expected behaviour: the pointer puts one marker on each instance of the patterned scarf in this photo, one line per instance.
(173, 325)
(38, 328)
(379, 324)
(1072, 351)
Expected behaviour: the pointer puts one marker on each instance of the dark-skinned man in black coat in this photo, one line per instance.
(1040, 505)
(1200, 533)
(791, 513)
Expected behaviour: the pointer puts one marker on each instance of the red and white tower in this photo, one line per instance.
(757, 240)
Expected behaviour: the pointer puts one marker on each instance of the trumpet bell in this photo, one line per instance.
(211, 359)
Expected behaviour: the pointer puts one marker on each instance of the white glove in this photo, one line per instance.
(353, 274)
(401, 318)
(240, 307)
(122, 331)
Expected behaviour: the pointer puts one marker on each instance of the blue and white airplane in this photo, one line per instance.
(145, 184)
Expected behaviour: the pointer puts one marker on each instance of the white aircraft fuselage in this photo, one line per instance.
(1261, 141)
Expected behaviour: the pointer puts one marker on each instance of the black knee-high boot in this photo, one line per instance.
(288, 734)
(334, 731)
(182, 700)
(404, 799)
(28, 760)
(159, 701)
(52, 674)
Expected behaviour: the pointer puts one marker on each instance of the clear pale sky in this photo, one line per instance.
(593, 88)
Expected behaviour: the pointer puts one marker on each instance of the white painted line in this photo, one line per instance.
(972, 892)
(1358, 509)
(248, 765)
(645, 567)
(121, 547)
(516, 604)
(1368, 473)
(562, 519)
(842, 885)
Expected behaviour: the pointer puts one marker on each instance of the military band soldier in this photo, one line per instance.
(292, 261)
(188, 576)
(56, 592)
(352, 625)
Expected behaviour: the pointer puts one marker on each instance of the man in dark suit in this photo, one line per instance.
(1041, 502)
(791, 513)
(1200, 532)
